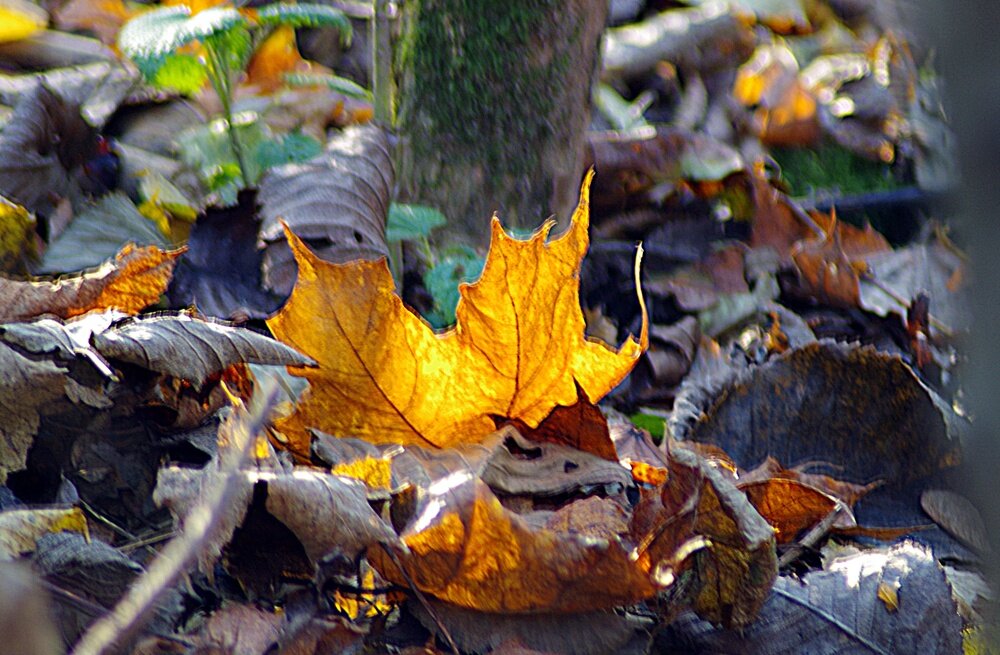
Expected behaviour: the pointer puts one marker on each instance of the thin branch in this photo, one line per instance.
(115, 630)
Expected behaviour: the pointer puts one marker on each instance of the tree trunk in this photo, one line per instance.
(494, 104)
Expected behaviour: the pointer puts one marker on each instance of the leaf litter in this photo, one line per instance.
(467, 484)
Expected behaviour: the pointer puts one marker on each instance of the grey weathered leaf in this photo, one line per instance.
(336, 202)
(98, 233)
(190, 348)
(44, 141)
(97, 572)
(860, 409)
(838, 611)
(935, 268)
(26, 386)
(326, 512)
(98, 87)
(958, 516)
(323, 511)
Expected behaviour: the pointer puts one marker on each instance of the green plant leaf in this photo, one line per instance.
(411, 222)
(295, 147)
(235, 45)
(208, 150)
(150, 37)
(339, 84)
(305, 15)
(181, 73)
(462, 265)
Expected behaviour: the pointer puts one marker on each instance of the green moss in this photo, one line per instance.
(830, 167)
(476, 80)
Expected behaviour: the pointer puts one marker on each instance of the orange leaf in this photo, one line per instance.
(518, 349)
(791, 507)
(141, 276)
(135, 279)
(826, 272)
(467, 549)
(276, 56)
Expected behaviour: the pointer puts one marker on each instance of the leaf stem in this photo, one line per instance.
(219, 75)
(382, 63)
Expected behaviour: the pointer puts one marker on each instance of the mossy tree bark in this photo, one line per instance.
(493, 106)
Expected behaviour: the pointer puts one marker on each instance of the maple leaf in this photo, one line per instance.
(518, 349)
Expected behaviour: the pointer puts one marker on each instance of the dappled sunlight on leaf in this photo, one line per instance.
(518, 350)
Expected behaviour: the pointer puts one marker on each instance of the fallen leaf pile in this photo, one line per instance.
(692, 455)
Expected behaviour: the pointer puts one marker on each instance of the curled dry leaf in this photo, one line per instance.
(337, 203)
(135, 279)
(518, 349)
(581, 425)
(735, 571)
(466, 549)
(838, 610)
(27, 386)
(45, 140)
(220, 274)
(190, 348)
(863, 410)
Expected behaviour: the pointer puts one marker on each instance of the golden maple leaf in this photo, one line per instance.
(518, 349)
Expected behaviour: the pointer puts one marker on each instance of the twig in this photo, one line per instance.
(93, 609)
(114, 527)
(115, 630)
(812, 537)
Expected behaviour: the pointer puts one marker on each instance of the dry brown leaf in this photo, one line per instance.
(789, 506)
(734, 573)
(518, 349)
(826, 272)
(135, 279)
(465, 548)
(581, 425)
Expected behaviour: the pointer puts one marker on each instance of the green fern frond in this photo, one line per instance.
(305, 15)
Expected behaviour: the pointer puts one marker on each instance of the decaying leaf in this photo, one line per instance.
(242, 629)
(466, 549)
(26, 387)
(518, 350)
(98, 573)
(336, 203)
(20, 529)
(839, 610)
(323, 511)
(735, 571)
(220, 274)
(99, 233)
(521, 467)
(189, 348)
(935, 268)
(789, 506)
(863, 410)
(135, 279)
(581, 425)
(44, 142)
